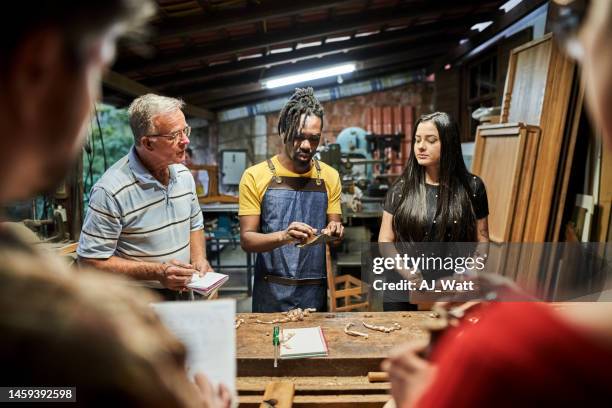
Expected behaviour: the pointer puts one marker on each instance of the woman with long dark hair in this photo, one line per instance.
(436, 199)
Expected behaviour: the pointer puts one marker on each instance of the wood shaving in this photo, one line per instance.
(238, 322)
(295, 315)
(394, 326)
(353, 332)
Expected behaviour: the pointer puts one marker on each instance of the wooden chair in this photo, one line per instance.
(346, 293)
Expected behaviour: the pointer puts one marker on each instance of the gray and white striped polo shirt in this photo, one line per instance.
(134, 216)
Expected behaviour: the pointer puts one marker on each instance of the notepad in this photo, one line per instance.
(207, 283)
(207, 331)
(303, 343)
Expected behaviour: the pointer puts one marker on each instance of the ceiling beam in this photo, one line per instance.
(223, 19)
(424, 54)
(298, 33)
(123, 84)
(241, 100)
(377, 40)
(364, 59)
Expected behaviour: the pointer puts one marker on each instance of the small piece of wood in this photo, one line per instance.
(353, 332)
(383, 329)
(293, 315)
(278, 394)
(378, 376)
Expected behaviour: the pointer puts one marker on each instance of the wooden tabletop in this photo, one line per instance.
(348, 356)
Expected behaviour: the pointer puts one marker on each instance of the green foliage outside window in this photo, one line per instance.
(115, 143)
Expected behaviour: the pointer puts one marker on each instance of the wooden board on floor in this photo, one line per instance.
(504, 157)
(537, 92)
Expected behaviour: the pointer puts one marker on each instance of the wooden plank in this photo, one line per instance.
(378, 376)
(329, 401)
(310, 384)
(280, 393)
(353, 306)
(527, 184)
(537, 92)
(348, 292)
(527, 72)
(498, 159)
(567, 160)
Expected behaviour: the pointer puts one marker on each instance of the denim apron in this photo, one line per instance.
(289, 277)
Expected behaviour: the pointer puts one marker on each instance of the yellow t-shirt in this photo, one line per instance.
(256, 178)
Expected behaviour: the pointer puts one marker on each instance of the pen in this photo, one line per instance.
(275, 343)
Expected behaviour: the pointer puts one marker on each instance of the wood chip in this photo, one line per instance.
(353, 332)
(294, 315)
(395, 326)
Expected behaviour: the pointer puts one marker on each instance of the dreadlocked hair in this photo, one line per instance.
(302, 102)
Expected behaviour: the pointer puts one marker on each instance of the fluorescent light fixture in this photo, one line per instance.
(509, 5)
(463, 41)
(306, 45)
(281, 50)
(481, 26)
(212, 64)
(336, 39)
(309, 76)
(246, 57)
(367, 33)
(400, 27)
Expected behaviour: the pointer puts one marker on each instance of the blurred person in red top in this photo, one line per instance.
(527, 354)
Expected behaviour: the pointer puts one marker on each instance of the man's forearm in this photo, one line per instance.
(252, 241)
(133, 269)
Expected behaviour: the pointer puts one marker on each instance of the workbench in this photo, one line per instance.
(338, 380)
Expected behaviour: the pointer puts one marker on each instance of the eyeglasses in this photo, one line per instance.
(176, 135)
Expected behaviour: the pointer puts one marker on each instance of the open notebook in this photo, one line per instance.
(207, 283)
(302, 343)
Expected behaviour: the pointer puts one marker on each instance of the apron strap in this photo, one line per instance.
(318, 167)
(277, 178)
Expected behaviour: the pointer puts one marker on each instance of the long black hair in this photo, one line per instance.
(454, 217)
(302, 102)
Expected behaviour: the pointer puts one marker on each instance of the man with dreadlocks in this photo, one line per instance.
(284, 201)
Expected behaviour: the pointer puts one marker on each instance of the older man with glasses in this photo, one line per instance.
(144, 220)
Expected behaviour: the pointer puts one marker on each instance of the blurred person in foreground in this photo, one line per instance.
(527, 354)
(85, 330)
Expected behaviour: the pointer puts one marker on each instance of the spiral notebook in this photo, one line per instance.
(303, 343)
